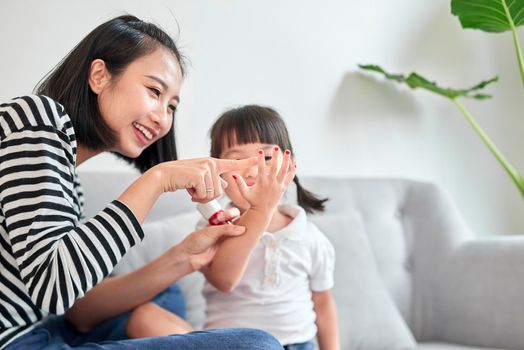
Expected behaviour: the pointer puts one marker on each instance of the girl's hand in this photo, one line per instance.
(201, 246)
(201, 177)
(272, 180)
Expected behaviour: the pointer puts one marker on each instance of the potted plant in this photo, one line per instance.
(493, 16)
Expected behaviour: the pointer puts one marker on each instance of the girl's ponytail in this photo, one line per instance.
(308, 200)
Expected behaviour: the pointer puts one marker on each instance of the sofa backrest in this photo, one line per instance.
(101, 187)
(407, 223)
(411, 226)
(379, 206)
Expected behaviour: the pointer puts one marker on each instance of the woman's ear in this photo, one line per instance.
(99, 76)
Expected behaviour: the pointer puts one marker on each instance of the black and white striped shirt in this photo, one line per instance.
(48, 257)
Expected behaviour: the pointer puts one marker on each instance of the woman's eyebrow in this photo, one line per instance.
(164, 85)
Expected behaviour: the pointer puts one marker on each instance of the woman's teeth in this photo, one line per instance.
(144, 131)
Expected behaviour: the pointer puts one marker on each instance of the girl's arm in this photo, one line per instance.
(230, 261)
(327, 322)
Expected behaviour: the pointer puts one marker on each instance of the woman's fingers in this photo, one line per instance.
(216, 232)
(219, 182)
(226, 165)
(200, 184)
(209, 184)
(201, 177)
(191, 191)
(200, 241)
(212, 183)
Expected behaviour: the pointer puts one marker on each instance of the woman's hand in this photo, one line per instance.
(272, 180)
(201, 177)
(201, 246)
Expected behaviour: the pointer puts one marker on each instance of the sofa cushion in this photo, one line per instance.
(368, 317)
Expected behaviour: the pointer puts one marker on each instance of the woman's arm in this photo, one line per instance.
(229, 264)
(117, 295)
(201, 177)
(327, 322)
(120, 294)
(58, 258)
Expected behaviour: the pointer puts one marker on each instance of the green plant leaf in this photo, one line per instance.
(415, 80)
(520, 184)
(489, 15)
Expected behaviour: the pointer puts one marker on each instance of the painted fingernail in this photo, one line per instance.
(276, 148)
(235, 177)
(260, 151)
(287, 152)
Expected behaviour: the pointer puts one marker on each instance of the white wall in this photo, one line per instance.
(301, 57)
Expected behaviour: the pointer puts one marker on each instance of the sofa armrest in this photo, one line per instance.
(479, 299)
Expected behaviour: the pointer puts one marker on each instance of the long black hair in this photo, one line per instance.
(254, 123)
(117, 42)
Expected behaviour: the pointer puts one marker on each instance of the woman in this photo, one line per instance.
(117, 90)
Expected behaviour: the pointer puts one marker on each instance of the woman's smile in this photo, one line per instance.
(143, 133)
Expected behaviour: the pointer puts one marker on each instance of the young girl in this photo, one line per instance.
(278, 280)
(117, 91)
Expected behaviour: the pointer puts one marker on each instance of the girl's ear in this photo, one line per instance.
(99, 76)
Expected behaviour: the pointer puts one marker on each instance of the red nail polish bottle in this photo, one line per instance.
(210, 211)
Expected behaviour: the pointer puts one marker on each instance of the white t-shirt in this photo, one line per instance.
(275, 292)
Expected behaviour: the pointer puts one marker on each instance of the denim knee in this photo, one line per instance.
(172, 299)
(257, 339)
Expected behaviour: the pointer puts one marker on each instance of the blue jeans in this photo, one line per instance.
(302, 346)
(56, 333)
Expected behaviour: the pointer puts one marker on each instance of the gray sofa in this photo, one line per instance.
(409, 275)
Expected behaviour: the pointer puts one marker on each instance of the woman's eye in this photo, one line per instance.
(268, 158)
(155, 91)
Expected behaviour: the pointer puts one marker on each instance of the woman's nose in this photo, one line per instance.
(162, 120)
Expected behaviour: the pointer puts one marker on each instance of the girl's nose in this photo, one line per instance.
(250, 174)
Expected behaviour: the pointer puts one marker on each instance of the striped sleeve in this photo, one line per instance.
(59, 259)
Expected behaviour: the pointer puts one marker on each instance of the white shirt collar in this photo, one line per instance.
(296, 228)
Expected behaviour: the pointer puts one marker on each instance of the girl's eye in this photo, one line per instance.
(155, 91)
(268, 158)
(172, 108)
